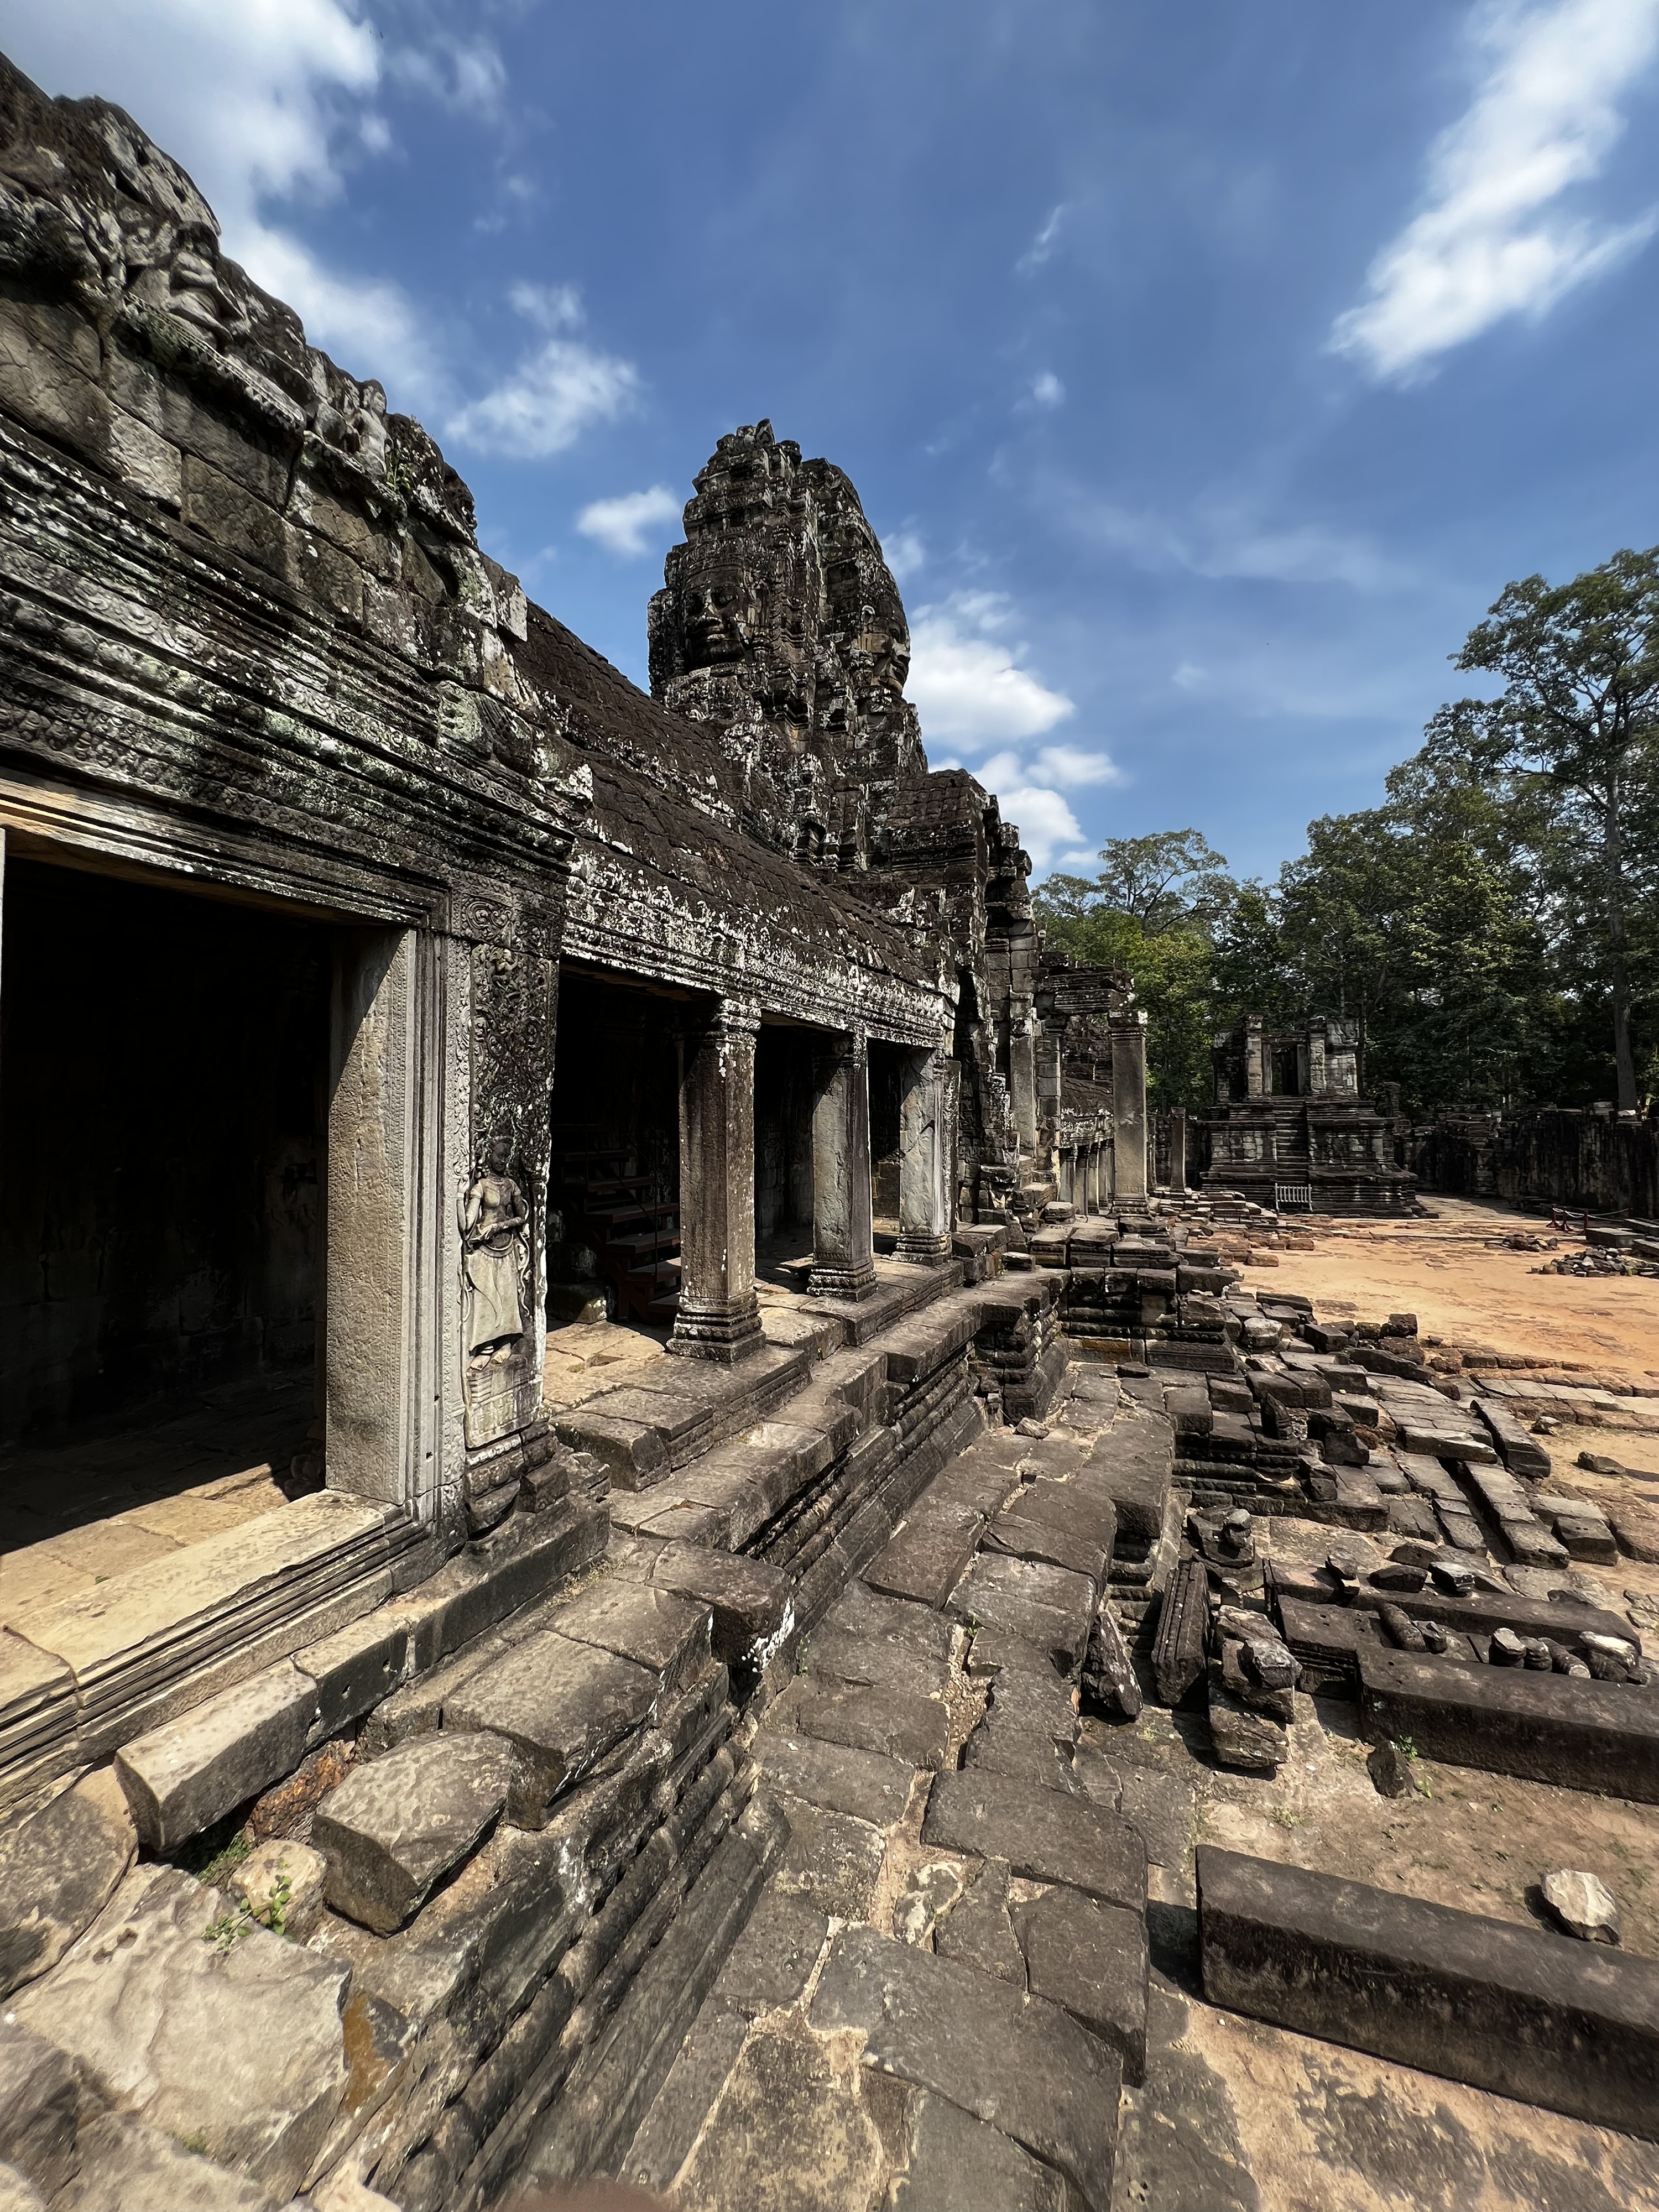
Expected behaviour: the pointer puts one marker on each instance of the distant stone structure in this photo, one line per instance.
(1290, 1129)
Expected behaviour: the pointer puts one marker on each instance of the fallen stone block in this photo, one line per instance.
(563, 1705)
(1043, 1835)
(1636, 1528)
(749, 1600)
(58, 1869)
(1180, 1653)
(1583, 1905)
(1014, 2061)
(183, 1777)
(1243, 1738)
(184, 2013)
(1576, 1734)
(1572, 2027)
(397, 1825)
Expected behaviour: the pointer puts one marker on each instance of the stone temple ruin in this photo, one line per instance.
(604, 1438)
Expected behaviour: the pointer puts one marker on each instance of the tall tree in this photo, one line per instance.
(1577, 727)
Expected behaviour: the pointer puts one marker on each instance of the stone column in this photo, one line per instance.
(925, 1152)
(1129, 1106)
(718, 1316)
(1177, 1150)
(843, 1253)
(1317, 1079)
(1257, 1084)
(1022, 1073)
(1048, 1055)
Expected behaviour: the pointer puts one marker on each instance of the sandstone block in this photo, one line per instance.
(1049, 1608)
(868, 1784)
(655, 1628)
(396, 1826)
(39, 2103)
(59, 1868)
(959, 2164)
(895, 1723)
(281, 1885)
(183, 1777)
(561, 1705)
(170, 1975)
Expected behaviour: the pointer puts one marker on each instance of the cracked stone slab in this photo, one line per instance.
(875, 1662)
(397, 1825)
(978, 1932)
(831, 1858)
(959, 2164)
(1048, 1606)
(1044, 1836)
(1092, 1958)
(562, 1706)
(1018, 2062)
(655, 1628)
(170, 1970)
(861, 1611)
(770, 1962)
(866, 1783)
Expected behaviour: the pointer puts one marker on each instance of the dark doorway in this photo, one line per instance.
(163, 1109)
(613, 1225)
(783, 1147)
(886, 1096)
(1287, 1070)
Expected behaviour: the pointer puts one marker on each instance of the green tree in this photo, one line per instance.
(1575, 733)
(1153, 909)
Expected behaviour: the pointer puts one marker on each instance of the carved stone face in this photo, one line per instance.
(500, 1151)
(187, 276)
(719, 618)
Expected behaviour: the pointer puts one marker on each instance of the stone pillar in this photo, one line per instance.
(1257, 1084)
(843, 1261)
(925, 1153)
(1318, 1079)
(1048, 1051)
(1177, 1150)
(1022, 1074)
(1129, 1106)
(718, 1316)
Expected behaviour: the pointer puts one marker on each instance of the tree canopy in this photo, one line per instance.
(1494, 921)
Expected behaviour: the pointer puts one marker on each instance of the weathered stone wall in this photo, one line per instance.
(1561, 1154)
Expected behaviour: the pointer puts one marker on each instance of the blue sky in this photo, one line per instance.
(1206, 371)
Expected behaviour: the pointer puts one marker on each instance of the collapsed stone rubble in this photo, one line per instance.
(751, 1739)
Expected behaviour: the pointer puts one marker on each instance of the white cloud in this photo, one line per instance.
(1069, 766)
(966, 683)
(1543, 118)
(1047, 823)
(464, 73)
(555, 393)
(1042, 246)
(628, 525)
(369, 323)
(244, 95)
(904, 554)
(1223, 538)
(1047, 392)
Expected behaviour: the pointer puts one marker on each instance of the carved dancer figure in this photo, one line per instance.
(494, 1220)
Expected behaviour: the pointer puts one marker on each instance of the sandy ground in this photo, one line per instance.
(1441, 1270)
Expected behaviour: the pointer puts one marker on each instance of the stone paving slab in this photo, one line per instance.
(1043, 1835)
(1017, 2062)
(877, 1661)
(654, 1628)
(1047, 1606)
(1092, 1958)
(925, 1559)
(861, 1611)
(900, 1725)
(866, 1783)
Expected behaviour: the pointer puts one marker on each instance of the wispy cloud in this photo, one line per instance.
(1489, 241)
(1046, 391)
(966, 681)
(556, 393)
(1041, 247)
(632, 524)
(464, 73)
(1218, 538)
(905, 554)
